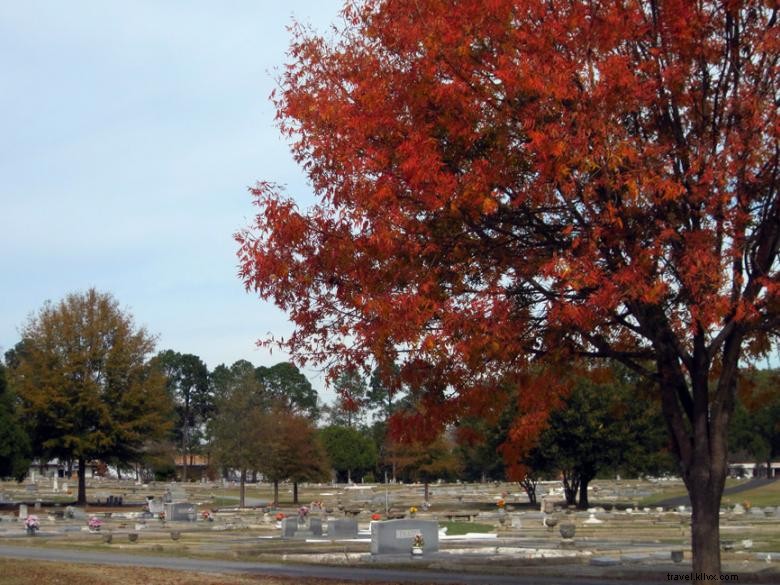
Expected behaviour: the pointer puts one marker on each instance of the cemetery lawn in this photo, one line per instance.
(21, 572)
(677, 490)
(766, 495)
(461, 528)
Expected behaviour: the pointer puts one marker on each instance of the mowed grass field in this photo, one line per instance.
(767, 495)
(19, 572)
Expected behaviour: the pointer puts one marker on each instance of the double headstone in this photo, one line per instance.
(292, 528)
(397, 536)
(342, 528)
(180, 512)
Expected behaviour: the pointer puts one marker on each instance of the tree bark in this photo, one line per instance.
(698, 410)
(427, 490)
(571, 484)
(705, 528)
(295, 492)
(184, 451)
(529, 485)
(583, 503)
(81, 500)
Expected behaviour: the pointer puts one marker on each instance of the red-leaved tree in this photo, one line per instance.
(507, 181)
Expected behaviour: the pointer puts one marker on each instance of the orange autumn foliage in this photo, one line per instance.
(506, 181)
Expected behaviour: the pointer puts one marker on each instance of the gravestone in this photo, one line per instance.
(75, 513)
(156, 506)
(315, 525)
(289, 527)
(176, 494)
(54, 484)
(396, 536)
(342, 528)
(23, 512)
(180, 512)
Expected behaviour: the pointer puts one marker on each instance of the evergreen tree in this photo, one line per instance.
(14, 442)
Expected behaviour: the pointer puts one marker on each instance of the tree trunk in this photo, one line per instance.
(81, 500)
(697, 410)
(242, 490)
(276, 493)
(184, 453)
(529, 485)
(571, 484)
(705, 528)
(583, 503)
(427, 490)
(295, 492)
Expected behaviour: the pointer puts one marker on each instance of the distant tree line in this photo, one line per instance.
(85, 383)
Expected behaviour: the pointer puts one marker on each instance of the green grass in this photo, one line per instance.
(768, 495)
(460, 528)
(663, 495)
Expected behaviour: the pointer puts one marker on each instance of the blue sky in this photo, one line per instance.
(130, 133)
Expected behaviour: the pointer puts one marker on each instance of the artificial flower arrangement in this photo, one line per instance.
(280, 516)
(206, 514)
(501, 503)
(413, 510)
(418, 542)
(376, 517)
(32, 524)
(94, 523)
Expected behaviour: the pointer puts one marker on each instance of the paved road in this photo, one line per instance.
(300, 571)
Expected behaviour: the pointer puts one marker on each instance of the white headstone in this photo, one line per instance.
(22, 511)
(593, 520)
(54, 484)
